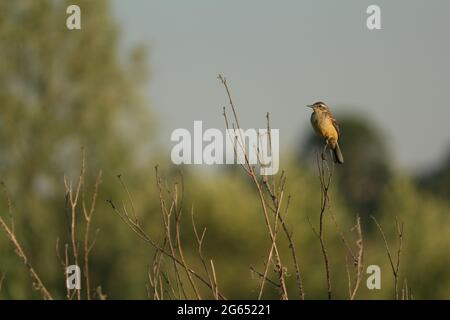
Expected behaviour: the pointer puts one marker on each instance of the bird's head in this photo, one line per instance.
(319, 107)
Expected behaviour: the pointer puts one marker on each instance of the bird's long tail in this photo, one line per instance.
(337, 154)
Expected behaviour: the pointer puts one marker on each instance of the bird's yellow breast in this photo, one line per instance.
(324, 127)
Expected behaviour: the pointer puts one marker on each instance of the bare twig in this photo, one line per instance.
(276, 199)
(406, 291)
(261, 275)
(394, 266)
(37, 283)
(250, 170)
(200, 239)
(88, 246)
(166, 217)
(76, 200)
(216, 286)
(64, 263)
(359, 259)
(291, 246)
(183, 259)
(72, 197)
(278, 269)
(325, 176)
(174, 253)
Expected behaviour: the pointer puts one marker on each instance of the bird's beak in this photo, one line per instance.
(310, 106)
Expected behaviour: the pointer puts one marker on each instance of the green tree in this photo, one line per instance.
(437, 181)
(63, 90)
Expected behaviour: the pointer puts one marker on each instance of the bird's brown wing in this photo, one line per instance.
(336, 126)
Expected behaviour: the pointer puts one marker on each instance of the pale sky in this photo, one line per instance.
(279, 56)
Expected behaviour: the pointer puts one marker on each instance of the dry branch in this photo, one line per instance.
(9, 230)
(395, 266)
(171, 210)
(272, 227)
(325, 177)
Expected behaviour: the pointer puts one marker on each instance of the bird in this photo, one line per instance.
(326, 126)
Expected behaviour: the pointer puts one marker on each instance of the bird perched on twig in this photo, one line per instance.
(326, 126)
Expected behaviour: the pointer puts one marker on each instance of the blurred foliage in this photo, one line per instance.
(437, 181)
(63, 90)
